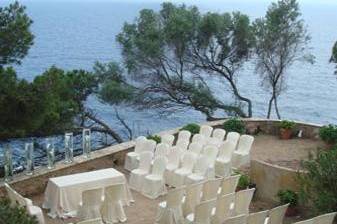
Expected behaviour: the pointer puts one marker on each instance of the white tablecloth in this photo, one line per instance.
(63, 194)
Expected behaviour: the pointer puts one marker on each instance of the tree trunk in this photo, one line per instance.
(276, 108)
(269, 106)
(238, 95)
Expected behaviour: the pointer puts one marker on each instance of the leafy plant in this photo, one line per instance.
(14, 215)
(285, 124)
(244, 182)
(193, 128)
(319, 183)
(328, 133)
(288, 196)
(235, 124)
(156, 138)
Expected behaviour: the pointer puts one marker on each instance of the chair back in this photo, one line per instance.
(325, 219)
(199, 138)
(223, 205)
(114, 193)
(308, 221)
(210, 189)
(188, 161)
(159, 166)
(233, 137)
(242, 201)
(245, 143)
(219, 134)
(193, 197)
(162, 150)
(257, 217)
(201, 165)
(92, 221)
(195, 147)
(206, 130)
(214, 141)
(174, 197)
(139, 144)
(183, 144)
(149, 145)
(211, 152)
(229, 184)
(145, 159)
(276, 215)
(226, 150)
(184, 135)
(92, 197)
(203, 211)
(174, 156)
(168, 139)
(240, 219)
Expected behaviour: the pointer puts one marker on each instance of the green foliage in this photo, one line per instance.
(14, 215)
(244, 182)
(156, 138)
(319, 183)
(285, 124)
(15, 35)
(328, 133)
(235, 124)
(288, 196)
(333, 58)
(193, 128)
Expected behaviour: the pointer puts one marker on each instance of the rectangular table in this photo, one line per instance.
(63, 194)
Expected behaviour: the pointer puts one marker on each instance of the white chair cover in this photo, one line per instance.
(184, 135)
(112, 209)
(168, 139)
(192, 198)
(179, 175)
(91, 203)
(223, 206)
(308, 221)
(137, 175)
(131, 161)
(276, 215)
(202, 214)
(150, 145)
(183, 144)
(195, 147)
(91, 221)
(219, 134)
(162, 150)
(241, 156)
(229, 184)
(199, 138)
(233, 137)
(172, 164)
(199, 171)
(210, 189)
(223, 163)
(325, 219)
(257, 217)
(240, 219)
(154, 183)
(206, 131)
(214, 141)
(211, 152)
(170, 211)
(242, 201)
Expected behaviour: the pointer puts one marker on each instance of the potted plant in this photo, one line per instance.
(234, 124)
(286, 129)
(289, 197)
(328, 134)
(243, 183)
(156, 138)
(192, 127)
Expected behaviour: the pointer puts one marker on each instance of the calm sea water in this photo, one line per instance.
(75, 34)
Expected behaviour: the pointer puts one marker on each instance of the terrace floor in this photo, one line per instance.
(268, 148)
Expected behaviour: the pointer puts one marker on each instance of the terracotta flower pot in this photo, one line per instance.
(291, 211)
(285, 133)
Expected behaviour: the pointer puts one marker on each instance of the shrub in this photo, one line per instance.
(319, 184)
(287, 124)
(288, 196)
(328, 133)
(193, 128)
(244, 182)
(14, 215)
(156, 138)
(235, 124)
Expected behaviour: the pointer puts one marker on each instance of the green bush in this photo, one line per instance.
(288, 196)
(193, 128)
(287, 124)
(319, 184)
(14, 215)
(235, 124)
(244, 182)
(156, 138)
(328, 133)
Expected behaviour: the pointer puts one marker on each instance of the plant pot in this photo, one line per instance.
(291, 211)
(285, 134)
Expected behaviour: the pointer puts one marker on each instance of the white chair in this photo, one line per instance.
(223, 206)
(257, 217)
(206, 131)
(91, 221)
(170, 211)
(214, 141)
(240, 219)
(202, 214)
(211, 153)
(137, 175)
(308, 221)
(199, 138)
(173, 161)
(18, 200)
(219, 134)
(199, 171)
(184, 135)
(195, 147)
(186, 169)
(242, 201)
(149, 145)
(229, 184)
(192, 198)
(276, 215)
(210, 189)
(223, 163)
(241, 156)
(168, 139)
(154, 183)
(325, 219)
(233, 137)
(112, 209)
(131, 161)
(91, 203)
(183, 144)
(162, 149)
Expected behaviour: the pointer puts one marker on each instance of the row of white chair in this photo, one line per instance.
(321, 219)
